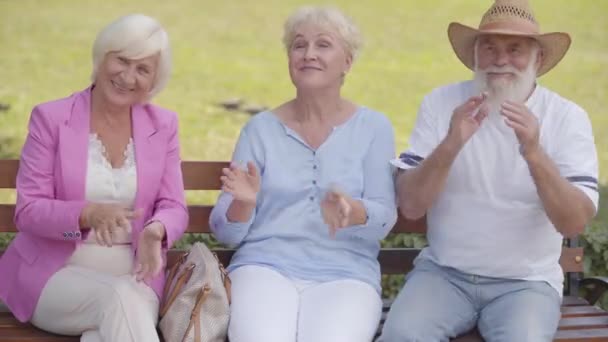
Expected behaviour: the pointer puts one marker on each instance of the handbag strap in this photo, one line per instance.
(172, 272)
(179, 284)
(225, 279)
(228, 287)
(194, 316)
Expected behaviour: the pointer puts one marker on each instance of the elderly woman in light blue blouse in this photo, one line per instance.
(308, 198)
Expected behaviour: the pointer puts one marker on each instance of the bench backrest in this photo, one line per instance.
(205, 175)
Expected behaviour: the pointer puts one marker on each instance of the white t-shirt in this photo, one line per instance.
(489, 219)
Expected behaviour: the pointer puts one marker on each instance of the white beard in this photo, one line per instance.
(499, 91)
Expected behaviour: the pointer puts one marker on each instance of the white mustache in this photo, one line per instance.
(505, 69)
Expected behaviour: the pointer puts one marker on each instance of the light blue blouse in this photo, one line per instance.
(286, 231)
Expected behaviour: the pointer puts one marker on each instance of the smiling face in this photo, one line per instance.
(506, 67)
(317, 58)
(125, 82)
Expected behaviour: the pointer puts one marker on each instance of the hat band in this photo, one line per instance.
(513, 25)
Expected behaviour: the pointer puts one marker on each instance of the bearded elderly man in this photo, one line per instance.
(504, 169)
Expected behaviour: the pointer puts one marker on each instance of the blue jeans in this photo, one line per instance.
(438, 303)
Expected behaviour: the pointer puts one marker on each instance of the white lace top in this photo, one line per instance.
(105, 184)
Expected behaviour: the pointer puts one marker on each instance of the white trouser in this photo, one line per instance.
(102, 307)
(267, 306)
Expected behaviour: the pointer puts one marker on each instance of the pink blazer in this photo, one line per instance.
(51, 190)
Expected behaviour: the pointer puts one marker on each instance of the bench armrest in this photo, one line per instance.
(595, 287)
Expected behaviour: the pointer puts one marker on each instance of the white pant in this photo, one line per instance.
(267, 306)
(100, 306)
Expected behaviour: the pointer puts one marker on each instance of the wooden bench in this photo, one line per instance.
(581, 320)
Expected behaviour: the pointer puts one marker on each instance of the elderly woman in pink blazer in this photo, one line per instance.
(100, 197)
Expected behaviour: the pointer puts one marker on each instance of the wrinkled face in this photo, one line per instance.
(125, 82)
(317, 58)
(506, 67)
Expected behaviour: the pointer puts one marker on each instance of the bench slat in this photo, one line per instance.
(579, 335)
(582, 311)
(394, 261)
(199, 220)
(8, 173)
(574, 301)
(198, 175)
(584, 322)
(202, 175)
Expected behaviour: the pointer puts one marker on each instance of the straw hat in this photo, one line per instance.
(514, 18)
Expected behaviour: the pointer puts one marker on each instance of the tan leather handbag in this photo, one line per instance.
(196, 301)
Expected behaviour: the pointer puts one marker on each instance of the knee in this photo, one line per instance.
(116, 295)
(523, 333)
(533, 330)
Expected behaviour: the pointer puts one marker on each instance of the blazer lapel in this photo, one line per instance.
(148, 158)
(73, 147)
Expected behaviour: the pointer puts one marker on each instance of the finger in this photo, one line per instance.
(514, 108)
(344, 214)
(475, 100)
(145, 272)
(99, 237)
(330, 220)
(124, 224)
(252, 170)
(328, 199)
(137, 268)
(107, 236)
(344, 222)
(344, 205)
(515, 117)
(517, 127)
(139, 275)
(335, 222)
(230, 184)
(113, 227)
(333, 196)
(100, 229)
(229, 181)
(230, 173)
(515, 105)
(471, 104)
(483, 112)
(227, 189)
(519, 109)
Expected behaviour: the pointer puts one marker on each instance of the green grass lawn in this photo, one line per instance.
(232, 48)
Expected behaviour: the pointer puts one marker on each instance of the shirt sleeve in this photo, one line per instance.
(227, 232)
(575, 154)
(379, 190)
(423, 140)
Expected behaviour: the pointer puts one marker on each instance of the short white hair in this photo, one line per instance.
(329, 18)
(135, 36)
